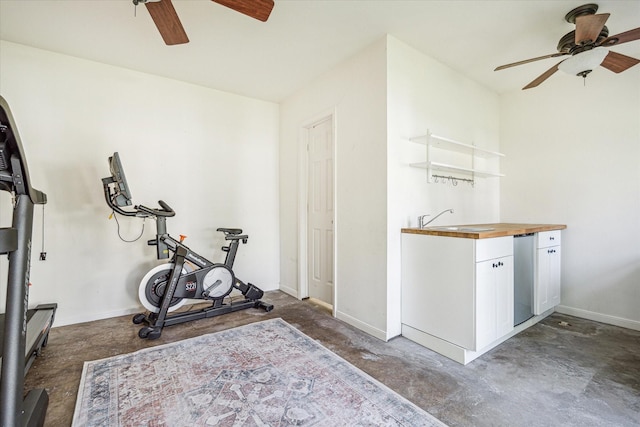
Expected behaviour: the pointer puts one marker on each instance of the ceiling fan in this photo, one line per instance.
(587, 45)
(166, 19)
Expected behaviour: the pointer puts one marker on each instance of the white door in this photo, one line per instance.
(320, 211)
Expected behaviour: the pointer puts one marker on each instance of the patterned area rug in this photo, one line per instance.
(262, 374)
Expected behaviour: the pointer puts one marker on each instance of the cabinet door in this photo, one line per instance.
(554, 276)
(485, 328)
(494, 300)
(547, 290)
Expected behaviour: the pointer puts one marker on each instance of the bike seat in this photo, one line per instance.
(242, 237)
(230, 230)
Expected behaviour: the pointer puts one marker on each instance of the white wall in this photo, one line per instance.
(571, 159)
(212, 156)
(425, 94)
(356, 92)
(574, 158)
(381, 97)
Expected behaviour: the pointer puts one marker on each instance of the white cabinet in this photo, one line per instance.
(494, 299)
(546, 293)
(458, 290)
(445, 155)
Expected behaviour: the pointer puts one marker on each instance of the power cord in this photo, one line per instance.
(114, 216)
(43, 254)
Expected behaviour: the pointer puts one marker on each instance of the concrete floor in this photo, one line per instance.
(564, 371)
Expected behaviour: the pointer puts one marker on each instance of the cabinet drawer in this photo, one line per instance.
(496, 247)
(548, 238)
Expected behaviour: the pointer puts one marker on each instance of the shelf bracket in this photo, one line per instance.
(428, 157)
(473, 163)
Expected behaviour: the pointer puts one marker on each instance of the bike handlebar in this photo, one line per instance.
(140, 210)
(166, 207)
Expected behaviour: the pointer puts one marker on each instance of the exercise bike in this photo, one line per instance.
(188, 275)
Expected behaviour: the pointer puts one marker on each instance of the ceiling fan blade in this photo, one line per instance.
(526, 61)
(618, 62)
(588, 27)
(627, 36)
(167, 21)
(258, 9)
(544, 76)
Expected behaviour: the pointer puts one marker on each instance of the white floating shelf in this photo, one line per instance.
(453, 145)
(457, 169)
(431, 141)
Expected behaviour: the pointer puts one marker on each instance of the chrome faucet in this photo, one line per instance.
(422, 224)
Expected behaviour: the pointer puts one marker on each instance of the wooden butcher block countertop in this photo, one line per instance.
(484, 231)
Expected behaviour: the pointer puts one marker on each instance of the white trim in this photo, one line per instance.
(303, 167)
(303, 183)
(371, 330)
(599, 317)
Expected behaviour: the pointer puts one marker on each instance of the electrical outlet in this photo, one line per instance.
(43, 256)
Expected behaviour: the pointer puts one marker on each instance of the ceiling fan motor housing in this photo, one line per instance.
(567, 43)
(585, 9)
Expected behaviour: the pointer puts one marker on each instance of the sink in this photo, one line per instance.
(461, 229)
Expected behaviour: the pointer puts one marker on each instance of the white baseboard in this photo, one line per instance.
(61, 320)
(599, 317)
(365, 327)
(289, 290)
(371, 330)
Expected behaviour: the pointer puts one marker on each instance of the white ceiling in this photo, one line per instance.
(304, 38)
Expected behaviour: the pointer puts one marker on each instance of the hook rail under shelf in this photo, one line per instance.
(453, 180)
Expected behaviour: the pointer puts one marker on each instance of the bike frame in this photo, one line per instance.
(181, 254)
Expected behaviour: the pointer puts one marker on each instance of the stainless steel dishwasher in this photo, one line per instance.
(523, 253)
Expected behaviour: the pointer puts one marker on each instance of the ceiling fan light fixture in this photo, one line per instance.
(582, 63)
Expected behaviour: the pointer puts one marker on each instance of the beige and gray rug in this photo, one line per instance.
(262, 374)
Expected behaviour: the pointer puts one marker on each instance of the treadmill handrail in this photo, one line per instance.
(36, 196)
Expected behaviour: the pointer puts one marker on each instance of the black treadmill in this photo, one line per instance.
(25, 331)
